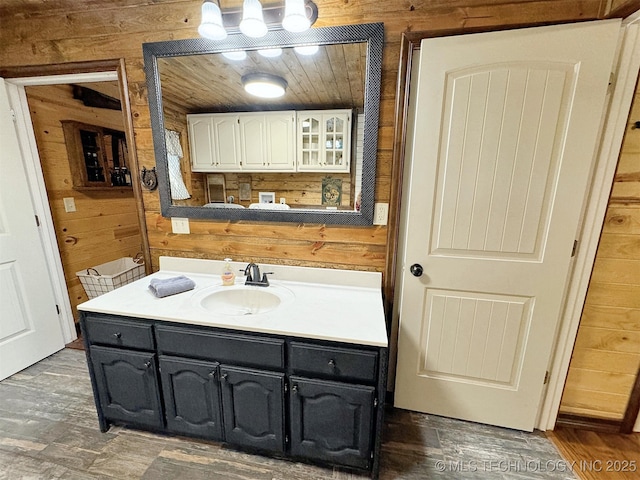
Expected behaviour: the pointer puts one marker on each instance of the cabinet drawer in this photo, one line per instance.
(333, 362)
(120, 332)
(221, 347)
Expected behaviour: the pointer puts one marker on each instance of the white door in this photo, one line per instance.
(503, 140)
(29, 326)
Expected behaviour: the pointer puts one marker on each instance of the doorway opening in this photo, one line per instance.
(83, 225)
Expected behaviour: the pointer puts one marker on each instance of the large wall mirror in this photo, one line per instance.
(308, 156)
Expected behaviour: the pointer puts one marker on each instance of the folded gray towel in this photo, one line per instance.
(170, 286)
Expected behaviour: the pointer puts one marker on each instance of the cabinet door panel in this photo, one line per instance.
(226, 142)
(253, 142)
(280, 141)
(253, 407)
(323, 140)
(191, 396)
(331, 421)
(127, 385)
(201, 144)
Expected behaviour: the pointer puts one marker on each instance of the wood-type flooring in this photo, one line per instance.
(49, 430)
(598, 455)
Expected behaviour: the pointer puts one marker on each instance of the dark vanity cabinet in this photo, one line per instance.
(304, 399)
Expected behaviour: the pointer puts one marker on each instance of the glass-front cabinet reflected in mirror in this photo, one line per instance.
(305, 153)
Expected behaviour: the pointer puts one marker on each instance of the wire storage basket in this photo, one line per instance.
(111, 275)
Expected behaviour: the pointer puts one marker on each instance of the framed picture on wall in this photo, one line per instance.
(331, 191)
(267, 197)
(244, 191)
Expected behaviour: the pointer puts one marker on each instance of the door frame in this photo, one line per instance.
(17, 78)
(612, 130)
(614, 125)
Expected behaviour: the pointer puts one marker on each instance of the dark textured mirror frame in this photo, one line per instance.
(372, 33)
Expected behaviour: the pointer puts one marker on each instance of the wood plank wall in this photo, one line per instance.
(104, 226)
(606, 356)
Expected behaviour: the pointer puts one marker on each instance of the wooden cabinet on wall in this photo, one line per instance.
(324, 141)
(248, 142)
(97, 156)
(284, 141)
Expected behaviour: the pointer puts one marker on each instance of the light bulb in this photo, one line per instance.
(270, 52)
(307, 49)
(295, 17)
(252, 24)
(236, 55)
(211, 24)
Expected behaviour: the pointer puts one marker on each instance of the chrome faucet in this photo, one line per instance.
(252, 272)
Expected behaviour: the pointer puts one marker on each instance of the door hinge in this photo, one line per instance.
(546, 377)
(286, 439)
(13, 115)
(286, 388)
(375, 402)
(58, 309)
(37, 221)
(575, 248)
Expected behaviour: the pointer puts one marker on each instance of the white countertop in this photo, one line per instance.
(337, 305)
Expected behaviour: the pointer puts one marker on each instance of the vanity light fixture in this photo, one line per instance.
(270, 52)
(264, 85)
(254, 19)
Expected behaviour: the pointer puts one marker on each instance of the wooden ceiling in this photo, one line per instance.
(334, 77)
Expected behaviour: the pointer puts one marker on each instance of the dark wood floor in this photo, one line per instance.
(49, 430)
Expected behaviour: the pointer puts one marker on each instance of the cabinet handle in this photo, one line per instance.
(223, 377)
(117, 335)
(332, 363)
(147, 364)
(294, 389)
(212, 374)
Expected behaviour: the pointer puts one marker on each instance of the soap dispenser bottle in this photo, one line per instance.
(228, 276)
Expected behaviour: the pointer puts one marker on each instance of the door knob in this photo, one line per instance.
(416, 270)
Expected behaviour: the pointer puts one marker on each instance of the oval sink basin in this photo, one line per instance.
(245, 300)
